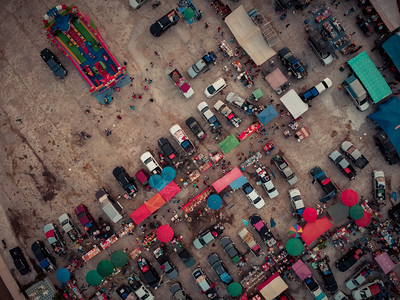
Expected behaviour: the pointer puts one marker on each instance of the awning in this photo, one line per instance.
(267, 115)
(229, 143)
(169, 191)
(227, 179)
(140, 214)
(294, 104)
(388, 10)
(238, 183)
(338, 212)
(273, 287)
(312, 231)
(249, 36)
(155, 202)
(392, 48)
(385, 262)
(301, 270)
(276, 79)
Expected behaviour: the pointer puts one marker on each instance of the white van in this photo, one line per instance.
(112, 209)
(357, 93)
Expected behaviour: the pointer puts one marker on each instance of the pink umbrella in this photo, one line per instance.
(310, 214)
(349, 197)
(364, 221)
(165, 233)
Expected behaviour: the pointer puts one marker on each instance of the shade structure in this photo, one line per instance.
(227, 179)
(140, 214)
(356, 212)
(188, 13)
(63, 275)
(234, 289)
(295, 230)
(105, 268)
(349, 197)
(165, 233)
(214, 201)
(385, 262)
(364, 221)
(168, 174)
(229, 143)
(156, 181)
(267, 115)
(119, 258)
(310, 214)
(169, 191)
(93, 278)
(155, 202)
(294, 247)
(312, 231)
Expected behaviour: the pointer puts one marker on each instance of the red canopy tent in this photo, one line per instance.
(349, 197)
(312, 231)
(364, 221)
(140, 214)
(227, 179)
(169, 191)
(155, 202)
(165, 233)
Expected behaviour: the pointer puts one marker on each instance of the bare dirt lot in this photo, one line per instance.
(48, 168)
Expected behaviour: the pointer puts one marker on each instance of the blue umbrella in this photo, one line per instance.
(63, 275)
(156, 181)
(214, 201)
(168, 174)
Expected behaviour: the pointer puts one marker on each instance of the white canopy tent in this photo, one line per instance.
(294, 104)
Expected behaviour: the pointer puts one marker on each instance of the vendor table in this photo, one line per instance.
(194, 175)
(269, 147)
(250, 160)
(223, 45)
(324, 15)
(126, 229)
(135, 253)
(245, 134)
(196, 201)
(108, 242)
(92, 253)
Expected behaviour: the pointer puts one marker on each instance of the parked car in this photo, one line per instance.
(150, 275)
(143, 178)
(206, 237)
(205, 284)
(263, 230)
(215, 88)
(354, 154)
(394, 212)
(166, 265)
(228, 113)
(125, 181)
(183, 254)
(209, 116)
(339, 295)
(386, 147)
(349, 259)
(346, 168)
(168, 151)
(219, 268)
(363, 25)
(53, 63)
(292, 63)
(141, 292)
(69, 227)
(165, 22)
(327, 185)
(266, 182)
(327, 276)
(20, 261)
(373, 289)
(178, 292)
(379, 183)
(353, 87)
(322, 48)
(253, 195)
(182, 139)
(231, 250)
(297, 202)
(195, 127)
(359, 277)
(54, 238)
(310, 94)
(199, 66)
(283, 167)
(42, 255)
(150, 163)
(315, 289)
(86, 219)
(125, 292)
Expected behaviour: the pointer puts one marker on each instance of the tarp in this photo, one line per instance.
(294, 104)
(165, 233)
(312, 231)
(388, 10)
(155, 202)
(119, 258)
(370, 77)
(385, 262)
(392, 48)
(170, 191)
(249, 36)
(229, 143)
(276, 79)
(273, 287)
(267, 115)
(338, 212)
(388, 118)
(228, 178)
(238, 183)
(301, 270)
(140, 214)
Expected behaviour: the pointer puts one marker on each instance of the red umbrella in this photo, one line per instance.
(349, 197)
(364, 221)
(310, 214)
(165, 233)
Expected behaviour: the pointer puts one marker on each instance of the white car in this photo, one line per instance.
(266, 182)
(208, 115)
(368, 290)
(215, 88)
(340, 296)
(253, 196)
(296, 201)
(151, 164)
(359, 278)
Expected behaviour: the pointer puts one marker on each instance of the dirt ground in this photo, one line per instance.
(49, 169)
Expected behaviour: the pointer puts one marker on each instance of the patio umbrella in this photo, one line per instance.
(63, 275)
(165, 233)
(294, 247)
(188, 13)
(156, 181)
(310, 214)
(356, 212)
(119, 258)
(235, 289)
(168, 174)
(93, 278)
(295, 230)
(105, 268)
(214, 201)
(349, 197)
(364, 221)
(272, 223)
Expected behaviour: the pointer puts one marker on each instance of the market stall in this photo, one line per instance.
(277, 81)
(127, 228)
(92, 253)
(221, 8)
(246, 133)
(323, 15)
(252, 159)
(293, 103)
(272, 287)
(303, 133)
(196, 201)
(227, 179)
(108, 242)
(269, 147)
(254, 276)
(225, 48)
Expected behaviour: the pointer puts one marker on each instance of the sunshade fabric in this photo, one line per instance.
(364, 221)
(63, 275)
(93, 278)
(165, 233)
(238, 183)
(105, 268)
(301, 270)
(294, 104)
(234, 289)
(310, 214)
(155, 202)
(370, 77)
(312, 231)
(119, 258)
(338, 212)
(229, 143)
(349, 197)
(388, 10)
(276, 79)
(223, 182)
(140, 214)
(356, 212)
(249, 36)
(294, 247)
(267, 115)
(392, 48)
(385, 262)
(214, 201)
(169, 191)
(273, 287)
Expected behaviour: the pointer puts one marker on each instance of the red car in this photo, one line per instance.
(86, 218)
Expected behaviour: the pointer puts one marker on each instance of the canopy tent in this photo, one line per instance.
(311, 231)
(273, 287)
(276, 79)
(301, 270)
(119, 258)
(356, 212)
(63, 275)
(370, 77)
(365, 220)
(385, 262)
(388, 118)
(338, 212)
(165, 233)
(392, 48)
(140, 214)
(249, 36)
(155, 202)
(349, 197)
(257, 94)
(237, 183)
(294, 104)
(214, 201)
(267, 115)
(170, 191)
(105, 268)
(235, 289)
(228, 178)
(93, 278)
(388, 10)
(229, 143)
(294, 247)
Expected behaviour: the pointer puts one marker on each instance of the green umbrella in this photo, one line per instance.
(119, 258)
(294, 247)
(93, 278)
(188, 13)
(105, 268)
(356, 212)
(234, 289)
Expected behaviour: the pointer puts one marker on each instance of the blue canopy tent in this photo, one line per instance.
(392, 48)
(267, 115)
(238, 182)
(388, 118)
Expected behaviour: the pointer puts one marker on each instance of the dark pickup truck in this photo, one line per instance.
(164, 23)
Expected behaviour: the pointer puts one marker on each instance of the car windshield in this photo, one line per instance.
(147, 161)
(247, 189)
(258, 199)
(211, 89)
(296, 198)
(81, 215)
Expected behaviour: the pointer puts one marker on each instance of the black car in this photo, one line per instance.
(262, 230)
(54, 64)
(123, 291)
(164, 23)
(168, 150)
(349, 259)
(363, 25)
(219, 268)
(125, 181)
(195, 127)
(231, 250)
(327, 185)
(46, 261)
(292, 63)
(20, 261)
(183, 254)
(150, 275)
(342, 163)
(327, 275)
(384, 144)
(394, 212)
(178, 292)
